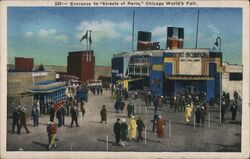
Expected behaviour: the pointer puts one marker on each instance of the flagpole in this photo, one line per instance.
(87, 43)
(197, 28)
(88, 39)
(133, 30)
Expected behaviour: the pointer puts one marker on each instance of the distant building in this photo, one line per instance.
(24, 64)
(24, 87)
(81, 64)
(232, 78)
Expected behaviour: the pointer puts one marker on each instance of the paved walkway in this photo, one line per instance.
(94, 136)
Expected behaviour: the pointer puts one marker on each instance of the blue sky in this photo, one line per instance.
(48, 33)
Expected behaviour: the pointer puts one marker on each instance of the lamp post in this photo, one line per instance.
(219, 43)
(216, 43)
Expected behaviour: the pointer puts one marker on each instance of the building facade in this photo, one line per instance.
(81, 64)
(232, 79)
(167, 72)
(24, 87)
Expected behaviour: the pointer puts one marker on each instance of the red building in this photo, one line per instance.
(82, 64)
(24, 64)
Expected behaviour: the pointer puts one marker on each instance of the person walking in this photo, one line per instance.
(149, 98)
(130, 108)
(59, 117)
(35, 115)
(52, 113)
(135, 95)
(182, 103)
(160, 102)
(188, 113)
(160, 128)
(122, 106)
(223, 111)
(124, 132)
(140, 128)
(15, 119)
(198, 115)
(203, 115)
(74, 116)
(23, 121)
(117, 131)
(234, 109)
(175, 103)
(51, 130)
(132, 126)
(103, 114)
(64, 112)
(155, 120)
(117, 105)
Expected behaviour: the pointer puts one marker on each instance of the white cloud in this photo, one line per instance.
(215, 31)
(103, 29)
(75, 46)
(160, 31)
(61, 37)
(45, 33)
(127, 38)
(29, 34)
(50, 33)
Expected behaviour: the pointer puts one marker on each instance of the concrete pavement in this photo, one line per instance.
(95, 136)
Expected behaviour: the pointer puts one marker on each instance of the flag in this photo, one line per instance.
(84, 36)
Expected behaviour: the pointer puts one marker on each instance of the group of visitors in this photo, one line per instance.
(131, 131)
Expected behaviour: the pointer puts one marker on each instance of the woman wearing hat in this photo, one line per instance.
(160, 127)
(132, 126)
(188, 112)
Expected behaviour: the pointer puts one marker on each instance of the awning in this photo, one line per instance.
(47, 90)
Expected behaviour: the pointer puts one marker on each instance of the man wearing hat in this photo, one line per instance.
(23, 121)
(74, 116)
(140, 128)
(15, 117)
(223, 110)
(103, 114)
(203, 115)
(117, 131)
(198, 115)
(130, 108)
(124, 131)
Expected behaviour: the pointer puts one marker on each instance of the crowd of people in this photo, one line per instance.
(125, 129)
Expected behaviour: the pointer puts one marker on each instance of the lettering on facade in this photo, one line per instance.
(14, 82)
(39, 74)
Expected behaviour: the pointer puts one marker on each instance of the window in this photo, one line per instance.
(145, 70)
(131, 69)
(137, 70)
(235, 76)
